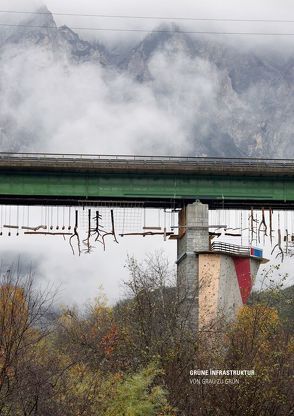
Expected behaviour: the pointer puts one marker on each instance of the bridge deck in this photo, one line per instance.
(163, 164)
(38, 178)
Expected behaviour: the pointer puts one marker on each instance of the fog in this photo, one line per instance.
(50, 104)
(78, 280)
(210, 9)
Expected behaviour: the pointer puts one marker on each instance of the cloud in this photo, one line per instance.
(77, 280)
(49, 104)
(226, 9)
(187, 104)
(210, 8)
(21, 5)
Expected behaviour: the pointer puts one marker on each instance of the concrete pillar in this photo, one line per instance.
(193, 236)
(226, 283)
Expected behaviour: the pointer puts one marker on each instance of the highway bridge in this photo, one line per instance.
(154, 181)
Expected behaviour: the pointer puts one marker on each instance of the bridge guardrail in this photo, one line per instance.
(238, 162)
(236, 250)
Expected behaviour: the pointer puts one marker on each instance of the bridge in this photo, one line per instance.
(213, 276)
(155, 181)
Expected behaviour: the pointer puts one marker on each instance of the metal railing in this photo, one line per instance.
(231, 249)
(217, 161)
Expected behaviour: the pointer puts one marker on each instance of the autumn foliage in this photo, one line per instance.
(134, 358)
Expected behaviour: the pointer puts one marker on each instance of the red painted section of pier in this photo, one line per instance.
(244, 276)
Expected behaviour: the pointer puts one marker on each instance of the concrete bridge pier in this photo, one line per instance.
(193, 237)
(214, 282)
(226, 283)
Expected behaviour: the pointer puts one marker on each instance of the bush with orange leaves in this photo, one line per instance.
(256, 341)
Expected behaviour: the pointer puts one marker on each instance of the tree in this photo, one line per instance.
(135, 358)
(259, 341)
(23, 326)
(256, 340)
(135, 396)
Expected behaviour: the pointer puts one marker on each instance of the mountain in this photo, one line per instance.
(42, 30)
(223, 99)
(244, 69)
(258, 94)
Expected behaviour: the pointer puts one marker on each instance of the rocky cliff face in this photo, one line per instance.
(41, 30)
(218, 100)
(254, 112)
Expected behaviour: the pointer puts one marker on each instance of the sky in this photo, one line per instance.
(208, 9)
(80, 278)
(264, 9)
(225, 9)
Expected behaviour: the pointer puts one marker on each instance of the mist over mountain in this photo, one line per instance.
(171, 93)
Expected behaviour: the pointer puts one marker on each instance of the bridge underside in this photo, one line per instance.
(149, 190)
(171, 203)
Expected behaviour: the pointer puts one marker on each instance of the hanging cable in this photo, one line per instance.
(17, 221)
(9, 221)
(1, 221)
(69, 218)
(28, 216)
(262, 227)
(63, 218)
(188, 32)
(279, 243)
(169, 18)
(164, 225)
(51, 218)
(57, 218)
(271, 225)
(76, 234)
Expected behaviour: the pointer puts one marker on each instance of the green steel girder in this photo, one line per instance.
(234, 190)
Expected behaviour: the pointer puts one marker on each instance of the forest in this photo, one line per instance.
(134, 358)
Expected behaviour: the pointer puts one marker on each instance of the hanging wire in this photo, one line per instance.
(286, 226)
(23, 215)
(17, 221)
(124, 219)
(63, 218)
(69, 218)
(130, 30)
(28, 216)
(144, 221)
(147, 17)
(46, 218)
(286, 220)
(9, 220)
(57, 218)
(51, 218)
(164, 225)
(256, 226)
(1, 223)
(278, 246)
(250, 227)
(42, 214)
